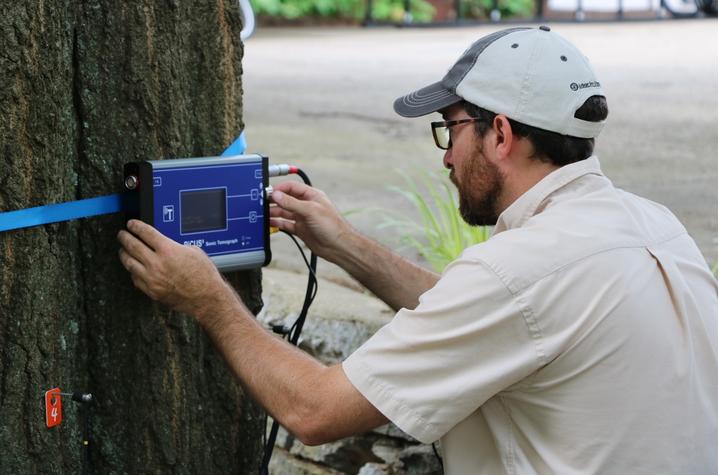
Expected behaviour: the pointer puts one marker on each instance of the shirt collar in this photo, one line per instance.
(526, 205)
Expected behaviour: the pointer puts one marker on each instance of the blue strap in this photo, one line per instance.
(26, 218)
(29, 217)
(237, 147)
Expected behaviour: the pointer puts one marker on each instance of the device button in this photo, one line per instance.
(131, 182)
(168, 213)
(157, 181)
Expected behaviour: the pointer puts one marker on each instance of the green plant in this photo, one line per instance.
(715, 269)
(508, 8)
(392, 10)
(440, 234)
(293, 9)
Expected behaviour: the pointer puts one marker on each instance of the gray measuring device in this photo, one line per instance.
(218, 204)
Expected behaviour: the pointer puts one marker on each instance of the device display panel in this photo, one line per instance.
(203, 210)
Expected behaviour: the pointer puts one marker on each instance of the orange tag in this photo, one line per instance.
(53, 407)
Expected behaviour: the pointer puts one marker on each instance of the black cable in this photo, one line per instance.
(293, 334)
(269, 448)
(312, 286)
(438, 457)
(304, 177)
(311, 266)
(264, 431)
(294, 331)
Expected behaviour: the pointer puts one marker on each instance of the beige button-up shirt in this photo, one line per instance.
(581, 338)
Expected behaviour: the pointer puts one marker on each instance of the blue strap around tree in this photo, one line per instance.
(237, 147)
(25, 218)
(55, 213)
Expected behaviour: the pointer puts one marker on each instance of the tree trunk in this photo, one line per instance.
(86, 86)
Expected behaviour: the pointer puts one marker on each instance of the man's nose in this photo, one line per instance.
(447, 160)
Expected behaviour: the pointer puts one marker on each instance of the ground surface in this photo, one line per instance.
(322, 99)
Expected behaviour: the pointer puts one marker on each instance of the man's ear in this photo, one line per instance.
(504, 136)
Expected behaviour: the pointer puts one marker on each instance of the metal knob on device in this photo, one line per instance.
(131, 182)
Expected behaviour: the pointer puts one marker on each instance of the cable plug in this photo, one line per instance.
(281, 170)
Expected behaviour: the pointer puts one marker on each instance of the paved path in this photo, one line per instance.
(322, 99)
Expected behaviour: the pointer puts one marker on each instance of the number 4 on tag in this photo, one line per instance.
(53, 407)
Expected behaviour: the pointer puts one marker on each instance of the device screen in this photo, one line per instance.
(203, 210)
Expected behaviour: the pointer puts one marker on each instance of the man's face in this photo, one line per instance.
(478, 180)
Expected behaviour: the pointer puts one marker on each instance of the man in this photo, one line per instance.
(581, 338)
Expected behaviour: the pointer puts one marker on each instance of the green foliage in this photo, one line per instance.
(440, 234)
(715, 269)
(392, 10)
(293, 9)
(508, 8)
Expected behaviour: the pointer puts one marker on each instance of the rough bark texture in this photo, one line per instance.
(87, 86)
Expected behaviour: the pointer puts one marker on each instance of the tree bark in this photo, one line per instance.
(86, 86)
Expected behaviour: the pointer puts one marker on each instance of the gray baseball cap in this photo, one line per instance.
(531, 75)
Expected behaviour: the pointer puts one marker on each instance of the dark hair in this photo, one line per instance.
(550, 147)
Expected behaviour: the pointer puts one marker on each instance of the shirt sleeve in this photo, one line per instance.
(431, 367)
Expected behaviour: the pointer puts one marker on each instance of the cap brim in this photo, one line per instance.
(426, 100)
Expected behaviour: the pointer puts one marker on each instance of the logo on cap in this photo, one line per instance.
(584, 85)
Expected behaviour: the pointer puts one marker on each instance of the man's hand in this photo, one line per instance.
(181, 277)
(307, 212)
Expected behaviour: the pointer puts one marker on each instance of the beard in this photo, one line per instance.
(479, 189)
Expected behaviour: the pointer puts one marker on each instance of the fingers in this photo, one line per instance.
(282, 219)
(277, 212)
(148, 234)
(297, 190)
(135, 248)
(132, 246)
(284, 225)
(133, 266)
(291, 204)
(143, 278)
(141, 285)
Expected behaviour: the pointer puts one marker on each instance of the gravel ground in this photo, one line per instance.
(321, 98)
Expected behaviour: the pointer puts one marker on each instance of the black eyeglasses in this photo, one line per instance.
(442, 134)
